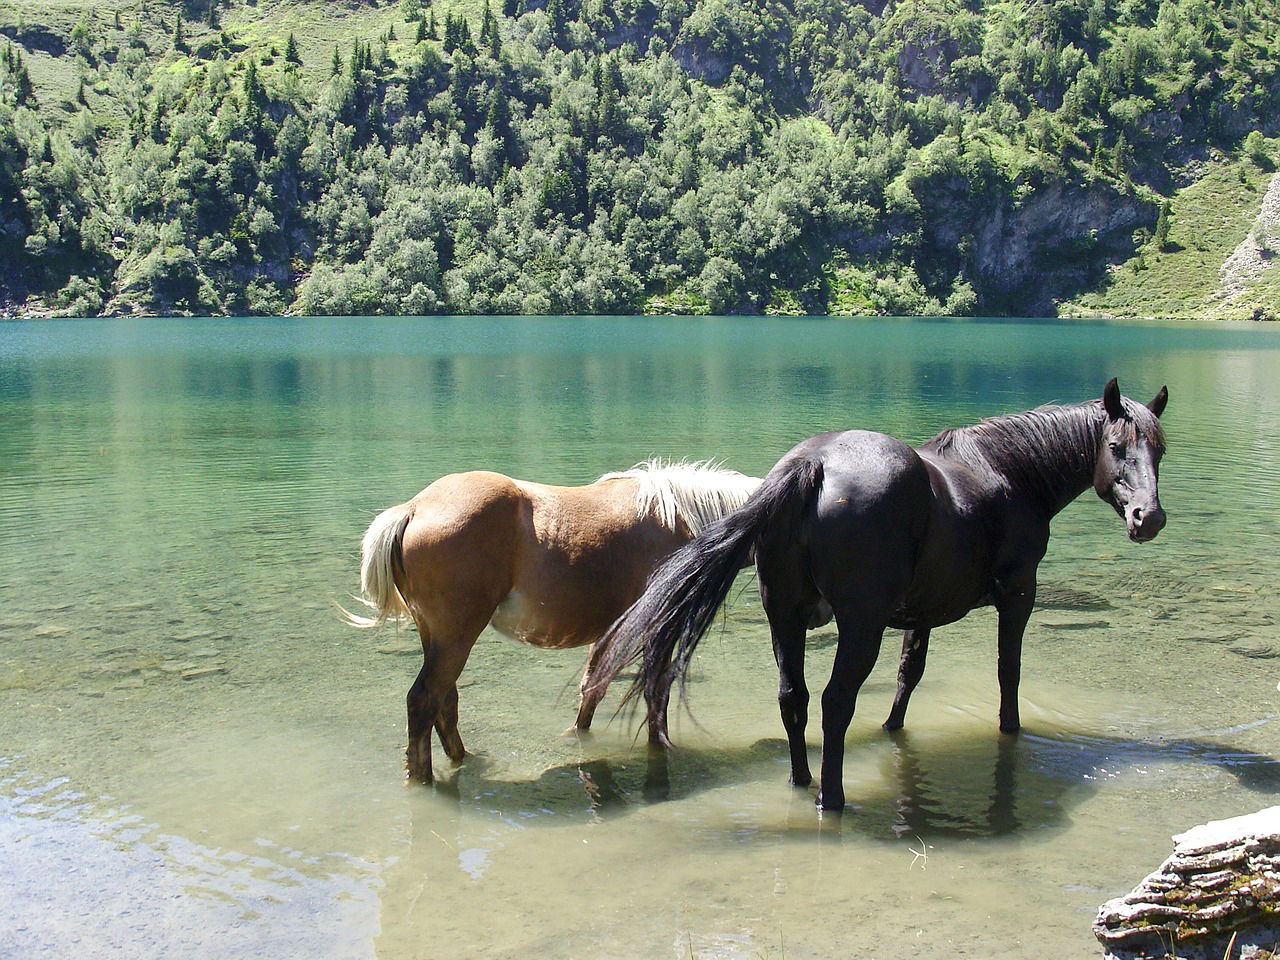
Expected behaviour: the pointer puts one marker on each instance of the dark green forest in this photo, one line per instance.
(577, 156)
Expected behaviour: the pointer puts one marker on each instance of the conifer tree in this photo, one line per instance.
(252, 86)
(336, 67)
(1123, 156)
(1162, 227)
(179, 40)
(498, 120)
(25, 89)
(432, 32)
(558, 23)
(291, 50)
(422, 31)
(609, 111)
(211, 16)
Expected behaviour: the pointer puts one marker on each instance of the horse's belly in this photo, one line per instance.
(928, 608)
(524, 618)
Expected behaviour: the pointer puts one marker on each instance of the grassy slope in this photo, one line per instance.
(1209, 219)
(318, 28)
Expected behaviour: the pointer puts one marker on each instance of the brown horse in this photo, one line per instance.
(549, 566)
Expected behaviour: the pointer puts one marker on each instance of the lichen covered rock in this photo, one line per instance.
(1217, 896)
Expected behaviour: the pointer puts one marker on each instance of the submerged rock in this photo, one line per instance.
(1217, 896)
(1052, 597)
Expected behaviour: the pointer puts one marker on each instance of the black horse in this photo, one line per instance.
(892, 536)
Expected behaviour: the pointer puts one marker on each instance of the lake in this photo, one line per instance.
(198, 759)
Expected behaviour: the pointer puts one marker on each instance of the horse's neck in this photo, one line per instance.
(1048, 454)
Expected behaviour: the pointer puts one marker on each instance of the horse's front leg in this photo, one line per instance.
(915, 647)
(1014, 613)
(855, 656)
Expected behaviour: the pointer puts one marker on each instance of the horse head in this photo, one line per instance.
(1128, 464)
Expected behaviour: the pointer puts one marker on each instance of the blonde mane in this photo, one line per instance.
(696, 493)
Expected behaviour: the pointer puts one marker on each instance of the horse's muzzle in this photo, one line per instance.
(1144, 522)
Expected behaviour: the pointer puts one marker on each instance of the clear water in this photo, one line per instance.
(198, 759)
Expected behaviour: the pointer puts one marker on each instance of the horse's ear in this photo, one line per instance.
(1156, 406)
(1111, 400)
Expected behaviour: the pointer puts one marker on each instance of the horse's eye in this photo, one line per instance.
(1115, 447)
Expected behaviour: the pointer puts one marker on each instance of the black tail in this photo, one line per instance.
(683, 595)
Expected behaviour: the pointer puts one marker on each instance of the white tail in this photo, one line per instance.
(378, 556)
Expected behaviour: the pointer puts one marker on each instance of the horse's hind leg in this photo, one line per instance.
(432, 701)
(856, 654)
(589, 692)
(791, 604)
(447, 727)
(915, 647)
(793, 695)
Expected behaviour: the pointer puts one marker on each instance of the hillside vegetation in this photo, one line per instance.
(578, 156)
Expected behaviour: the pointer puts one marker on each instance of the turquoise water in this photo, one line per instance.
(198, 759)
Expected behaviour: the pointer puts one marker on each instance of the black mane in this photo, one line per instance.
(1048, 450)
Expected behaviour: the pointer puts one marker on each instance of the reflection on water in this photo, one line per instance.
(211, 764)
(946, 787)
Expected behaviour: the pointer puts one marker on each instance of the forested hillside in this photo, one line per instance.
(583, 156)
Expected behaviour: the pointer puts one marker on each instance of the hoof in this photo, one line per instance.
(892, 726)
(834, 805)
(417, 774)
(660, 741)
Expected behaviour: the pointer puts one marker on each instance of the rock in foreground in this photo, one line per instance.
(1216, 897)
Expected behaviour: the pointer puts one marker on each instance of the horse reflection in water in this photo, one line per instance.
(551, 566)
(894, 536)
(935, 785)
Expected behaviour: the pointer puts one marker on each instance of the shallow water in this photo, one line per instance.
(198, 759)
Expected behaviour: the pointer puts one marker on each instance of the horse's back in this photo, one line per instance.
(593, 516)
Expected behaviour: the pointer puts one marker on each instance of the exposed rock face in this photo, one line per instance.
(1216, 897)
(1245, 266)
(1055, 228)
